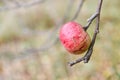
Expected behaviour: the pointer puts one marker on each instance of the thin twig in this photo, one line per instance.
(87, 56)
(90, 20)
(19, 5)
(78, 10)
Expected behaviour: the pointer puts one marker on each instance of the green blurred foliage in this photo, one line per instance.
(30, 27)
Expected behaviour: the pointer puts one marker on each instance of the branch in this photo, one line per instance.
(78, 10)
(90, 20)
(18, 4)
(87, 56)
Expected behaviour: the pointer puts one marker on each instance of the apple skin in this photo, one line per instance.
(74, 38)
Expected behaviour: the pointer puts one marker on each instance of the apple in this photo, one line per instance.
(74, 38)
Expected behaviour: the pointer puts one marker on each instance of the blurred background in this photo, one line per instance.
(30, 48)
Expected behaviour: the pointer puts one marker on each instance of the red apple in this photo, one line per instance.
(74, 38)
